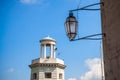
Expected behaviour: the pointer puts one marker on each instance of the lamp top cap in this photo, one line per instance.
(70, 14)
(48, 39)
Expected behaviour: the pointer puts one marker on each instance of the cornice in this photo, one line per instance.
(47, 65)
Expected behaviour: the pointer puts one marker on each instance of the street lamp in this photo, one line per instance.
(71, 27)
(71, 24)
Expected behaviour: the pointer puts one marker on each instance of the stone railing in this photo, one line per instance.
(47, 60)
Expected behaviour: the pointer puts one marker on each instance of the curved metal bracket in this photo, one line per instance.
(87, 7)
(90, 37)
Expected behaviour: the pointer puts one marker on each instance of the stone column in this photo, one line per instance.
(41, 52)
(51, 51)
(54, 51)
(44, 50)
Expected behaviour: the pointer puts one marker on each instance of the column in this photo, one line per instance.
(41, 52)
(44, 50)
(54, 51)
(51, 51)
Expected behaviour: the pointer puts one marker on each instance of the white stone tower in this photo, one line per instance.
(47, 67)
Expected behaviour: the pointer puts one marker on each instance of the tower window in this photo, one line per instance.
(47, 75)
(60, 76)
(34, 75)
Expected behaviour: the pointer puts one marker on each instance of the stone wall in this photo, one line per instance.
(110, 16)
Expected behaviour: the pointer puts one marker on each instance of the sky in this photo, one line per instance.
(24, 22)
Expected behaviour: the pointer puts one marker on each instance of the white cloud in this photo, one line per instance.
(31, 1)
(10, 70)
(72, 79)
(94, 72)
(28, 1)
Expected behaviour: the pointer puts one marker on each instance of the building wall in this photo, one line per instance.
(41, 73)
(110, 16)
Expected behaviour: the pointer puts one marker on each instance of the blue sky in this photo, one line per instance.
(24, 22)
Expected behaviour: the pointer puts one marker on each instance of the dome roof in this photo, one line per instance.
(48, 39)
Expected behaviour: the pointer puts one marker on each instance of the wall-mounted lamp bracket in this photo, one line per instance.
(71, 24)
(90, 37)
(87, 7)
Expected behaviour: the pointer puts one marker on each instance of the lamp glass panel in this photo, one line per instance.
(72, 27)
(67, 27)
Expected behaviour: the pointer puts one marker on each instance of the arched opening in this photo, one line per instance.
(34, 75)
(48, 75)
(60, 76)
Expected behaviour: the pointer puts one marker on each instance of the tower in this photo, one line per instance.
(47, 67)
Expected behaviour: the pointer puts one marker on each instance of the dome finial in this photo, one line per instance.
(48, 36)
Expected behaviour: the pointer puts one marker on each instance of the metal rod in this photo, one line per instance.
(89, 37)
(85, 8)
